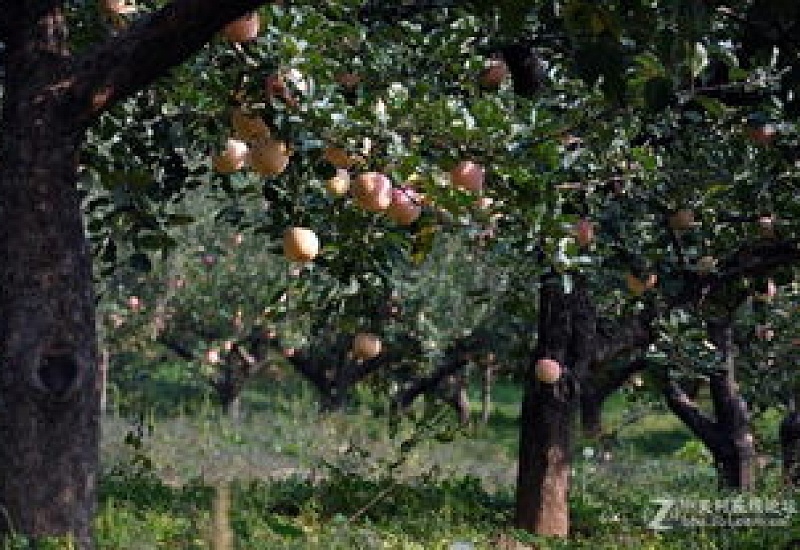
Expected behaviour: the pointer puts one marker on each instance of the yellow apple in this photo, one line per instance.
(269, 157)
(243, 29)
(300, 244)
(366, 346)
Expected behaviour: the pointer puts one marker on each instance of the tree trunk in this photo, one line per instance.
(49, 384)
(546, 423)
(544, 467)
(486, 393)
(790, 448)
(591, 412)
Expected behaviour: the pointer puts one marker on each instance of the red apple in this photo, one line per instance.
(468, 175)
(348, 80)
(682, 220)
(373, 191)
(548, 370)
(494, 73)
(762, 134)
(135, 303)
(764, 332)
(405, 208)
(584, 232)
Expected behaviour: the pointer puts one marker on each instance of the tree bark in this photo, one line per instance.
(49, 384)
(546, 421)
(591, 413)
(728, 436)
(487, 380)
(790, 448)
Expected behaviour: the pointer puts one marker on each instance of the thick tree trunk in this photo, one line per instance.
(49, 384)
(546, 423)
(790, 448)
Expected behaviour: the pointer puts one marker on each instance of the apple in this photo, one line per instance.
(764, 332)
(117, 7)
(237, 239)
(706, 264)
(548, 370)
(637, 381)
(135, 303)
(247, 127)
(243, 29)
(483, 203)
(366, 346)
(208, 260)
(289, 352)
(339, 184)
(300, 244)
(213, 356)
(493, 73)
(468, 175)
(584, 232)
(637, 287)
(348, 80)
(405, 208)
(766, 226)
(338, 157)
(232, 158)
(373, 191)
(682, 220)
(772, 289)
(762, 134)
(270, 157)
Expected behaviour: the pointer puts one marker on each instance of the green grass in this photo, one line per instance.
(354, 480)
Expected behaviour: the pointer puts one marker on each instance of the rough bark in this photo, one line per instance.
(487, 380)
(597, 387)
(546, 421)
(728, 436)
(49, 383)
(790, 448)
(49, 387)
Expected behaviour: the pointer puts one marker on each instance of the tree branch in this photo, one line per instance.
(614, 378)
(148, 49)
(632, 333)
(687, 410)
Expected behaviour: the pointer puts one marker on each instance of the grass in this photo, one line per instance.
(295, 479)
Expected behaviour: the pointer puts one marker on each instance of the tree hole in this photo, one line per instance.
(58, 373)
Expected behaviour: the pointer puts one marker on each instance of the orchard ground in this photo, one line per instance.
(182, 475)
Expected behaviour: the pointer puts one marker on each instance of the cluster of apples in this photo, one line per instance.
(251, 145)
(374, 192)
